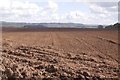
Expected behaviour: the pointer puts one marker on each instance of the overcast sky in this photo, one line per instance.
(75, 11)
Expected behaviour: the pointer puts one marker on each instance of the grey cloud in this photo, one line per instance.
(109, 6)
(106, 4)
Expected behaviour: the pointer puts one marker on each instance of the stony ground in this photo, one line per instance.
(22, 61)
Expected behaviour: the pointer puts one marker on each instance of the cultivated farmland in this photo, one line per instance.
(60, 53)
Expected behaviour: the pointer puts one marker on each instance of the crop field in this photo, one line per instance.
(60, 53)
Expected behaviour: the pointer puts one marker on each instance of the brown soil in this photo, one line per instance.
(59, 55)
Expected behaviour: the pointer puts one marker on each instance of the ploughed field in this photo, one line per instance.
(64, 54)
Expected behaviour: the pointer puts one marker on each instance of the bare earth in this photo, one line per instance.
(60, 55)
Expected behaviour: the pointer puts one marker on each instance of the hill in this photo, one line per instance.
(115, 26)
(45, 25)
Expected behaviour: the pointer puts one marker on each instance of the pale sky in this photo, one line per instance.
(64, 11)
